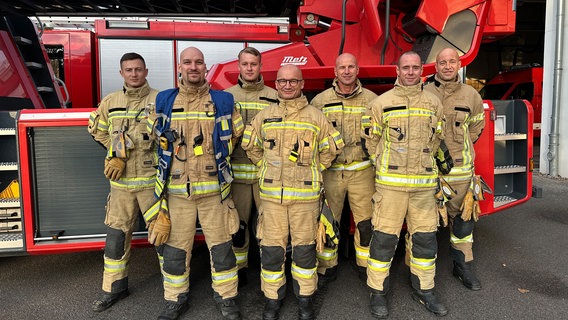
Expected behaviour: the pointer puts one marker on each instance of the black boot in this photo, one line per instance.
(271, 309)
(305, 308)
(173, 310)
(329, 276)
(229, 309)
(430, 301)
(379, 308)
(108, 299)
(464, 272)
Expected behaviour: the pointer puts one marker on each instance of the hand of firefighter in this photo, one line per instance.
(114, 167)
(159, 229)
(468, 206)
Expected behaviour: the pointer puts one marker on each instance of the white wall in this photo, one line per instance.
(548, 90)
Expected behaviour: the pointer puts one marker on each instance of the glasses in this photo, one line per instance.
(293, 82)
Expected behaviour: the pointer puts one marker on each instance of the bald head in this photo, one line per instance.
(346, 71)
(448, 64)
(192, 66)
(289, 82)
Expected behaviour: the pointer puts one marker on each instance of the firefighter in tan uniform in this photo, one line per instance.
(119, 124)
(291, 142)
(196, 127)
(251, 96)
(405, 127)
(352, 173)
(463, 109)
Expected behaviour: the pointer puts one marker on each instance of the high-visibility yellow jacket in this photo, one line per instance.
(193, 170)
(465, 120)
(345, 112)
(126, 111)
(291, 143)
(404, 130)
(250, 99)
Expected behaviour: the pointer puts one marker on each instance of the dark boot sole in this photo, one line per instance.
(101, 308)
(438, 314)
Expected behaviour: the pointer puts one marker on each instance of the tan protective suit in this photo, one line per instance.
(125, 110)
(405, 128)
(193, 192)
(291, 143)
(250, 99)
(463, 109)
(352, 173)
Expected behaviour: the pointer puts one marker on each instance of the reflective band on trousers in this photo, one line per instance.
(361, 253)
(377, 265)
(424, 264)
(272, 276)
(327, 254)
(242, 257)
(221, 277)
(353, 166)
(406, 181)
(456, 240)
(114, 266)
(290, 193)
(196, 188)
(176, 281)
(244, 171)
(303, 273)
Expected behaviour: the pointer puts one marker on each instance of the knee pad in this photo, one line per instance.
(462, 229)
(239, 238)
(114, 247)
(424, 245)
(365, 232)
(271, 257)
(223, 257)
(304, 256)
(174, 260)
(383, 246)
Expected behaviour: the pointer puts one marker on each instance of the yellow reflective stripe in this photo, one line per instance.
(337, 138)
(323, 144)
(405, 180)
(176, 281)
(412, 112)
(225, 276)
(377, 265)
(154, 209)
(421, 263)
(353, 166)
(466, 239)
(327, 254)
(271, 276)
(303, 273)
(293, 125)
(252, 105)
(204, 187)
(344, 109)
(237, 123)
(133, 183)
(290, 193)
(366, 122)
(124, 114)
(477, 117)
(192, 115)
(244, 168)
(242, 257)
(114, 266)
(361, 253)
(246, 137)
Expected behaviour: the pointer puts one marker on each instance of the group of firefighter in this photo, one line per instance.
(193, 153)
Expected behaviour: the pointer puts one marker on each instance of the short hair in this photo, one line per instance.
(408, 53)
(131, 56)
(251, 50)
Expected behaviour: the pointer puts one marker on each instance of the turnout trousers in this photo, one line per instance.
(175, 254)
(461, 232)
(244, 195)
(122, 210)
(359, 187)
(277, 222)
(390, 209)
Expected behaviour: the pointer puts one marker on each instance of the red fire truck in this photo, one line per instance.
(60, 194)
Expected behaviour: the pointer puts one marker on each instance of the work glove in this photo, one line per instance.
(114, 167)
(159, 228)
(444, 160)
(468, 206)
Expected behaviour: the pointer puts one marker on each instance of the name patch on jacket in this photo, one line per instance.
(271, 120)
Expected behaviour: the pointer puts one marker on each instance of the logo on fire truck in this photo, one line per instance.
(298, 61)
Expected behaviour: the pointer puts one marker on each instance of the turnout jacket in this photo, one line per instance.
(402, 131)
(250, 99)
(345, 112)
(126, 112)
(465, 120)
(291, 142)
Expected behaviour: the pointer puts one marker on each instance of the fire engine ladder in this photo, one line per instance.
(24, 34)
